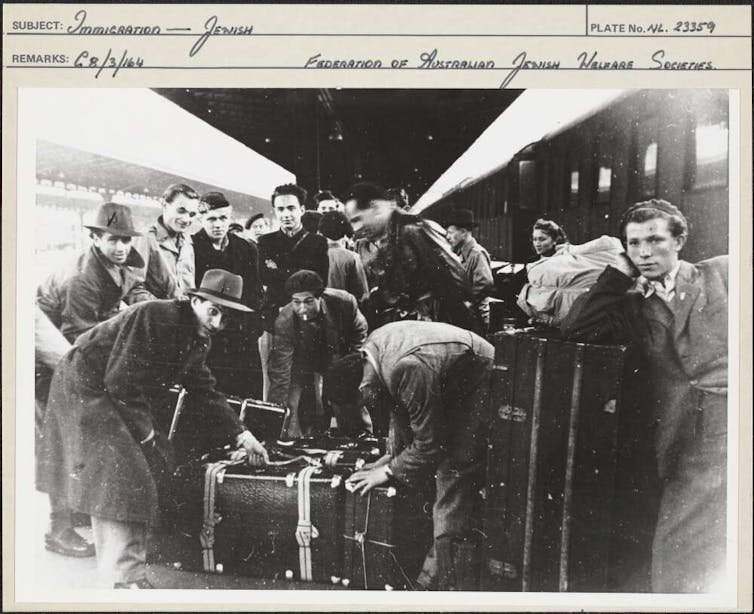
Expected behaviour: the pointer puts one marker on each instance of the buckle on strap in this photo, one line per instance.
(207, 535)
(305, 530)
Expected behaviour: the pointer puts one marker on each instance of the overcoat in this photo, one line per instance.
(168, 269)
(280, 256)
(104, 400)
(89, 290)
(685, 345)
(234, 356)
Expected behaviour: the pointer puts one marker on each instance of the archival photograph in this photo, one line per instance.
(344, 339)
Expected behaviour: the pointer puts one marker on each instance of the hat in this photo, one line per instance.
(115, 219)
(462, 218)
(304, 281)
(252, 219)
(214, 200)
(334, 225)
(222, 288)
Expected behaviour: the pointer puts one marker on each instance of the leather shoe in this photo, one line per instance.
(138, 584)
(69, 543)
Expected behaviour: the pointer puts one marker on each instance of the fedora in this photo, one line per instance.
(462, 218)
(222, 288)
(115, 219)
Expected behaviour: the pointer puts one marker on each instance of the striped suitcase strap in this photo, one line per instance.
(305, 530)
(207, 535)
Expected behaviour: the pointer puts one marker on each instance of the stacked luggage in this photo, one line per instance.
(570, 496)
(571, 493)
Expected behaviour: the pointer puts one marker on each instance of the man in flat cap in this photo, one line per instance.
(102, 448)
(475, 260)
(234, 358)
(256, 226)
(316, 327)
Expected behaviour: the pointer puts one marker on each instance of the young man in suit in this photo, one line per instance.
(677, 314)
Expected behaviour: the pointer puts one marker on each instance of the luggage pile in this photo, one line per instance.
(569, 503)
(295, 519)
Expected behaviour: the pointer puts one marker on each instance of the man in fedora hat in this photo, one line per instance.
(475, 259)
(90, 289)
(103, 450)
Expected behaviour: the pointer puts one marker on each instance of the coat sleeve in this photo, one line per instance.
(214, 411)
(357, 280)
(481, 275)
(129, 370)
(49, 344)
(323, 260)
(156, 275)
(281, 360)
(359, 327)
(419, 393)
(601, 315)
(80, 308)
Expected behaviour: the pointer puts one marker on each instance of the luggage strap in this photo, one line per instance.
(211, 518)
(305, 530)
(360, 539)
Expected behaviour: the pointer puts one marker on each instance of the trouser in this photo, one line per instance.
(305, 401)
(121, 550)
(688, 552)
(265, 347)
(460, 476)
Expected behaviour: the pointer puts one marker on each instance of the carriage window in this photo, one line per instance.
(711, 167)
(527, 179)
(604, 183)
(649, 170)
(573, 186)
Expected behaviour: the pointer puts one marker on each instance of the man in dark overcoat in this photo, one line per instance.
(417, 275)
(234, 357)
(90, 289)
(677, 313)
(102, 449)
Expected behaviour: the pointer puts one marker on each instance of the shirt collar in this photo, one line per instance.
(664, 288)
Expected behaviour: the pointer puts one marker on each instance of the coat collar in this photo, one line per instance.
(168, 240)
(94, 258)
(687, 291)
(465, 249)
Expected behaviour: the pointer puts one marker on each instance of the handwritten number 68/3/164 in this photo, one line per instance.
(694, 26)
(111, 62)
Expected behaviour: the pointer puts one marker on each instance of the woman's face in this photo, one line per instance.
(542, 242)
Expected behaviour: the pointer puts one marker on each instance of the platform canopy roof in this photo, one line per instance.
(140, 127)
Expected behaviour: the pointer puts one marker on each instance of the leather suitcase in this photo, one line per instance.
(274, 522)
(267, 421)
(553, 459)
(388, 533)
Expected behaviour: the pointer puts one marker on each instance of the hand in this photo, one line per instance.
(366, 480)
(255, 451)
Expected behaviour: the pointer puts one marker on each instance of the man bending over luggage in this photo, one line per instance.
(102, 450)
(436, 377)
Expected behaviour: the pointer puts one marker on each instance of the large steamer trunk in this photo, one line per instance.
(567, 469)
(274, 522)
(388, 533)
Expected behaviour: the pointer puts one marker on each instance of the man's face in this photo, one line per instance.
(327, 205)
(216, 223)
(179, 214)
(370, 222)
(652, 248)
(211, 318)
(456, 235)
(113, 247)
(305, 305)
(258, 228)
(288, 211)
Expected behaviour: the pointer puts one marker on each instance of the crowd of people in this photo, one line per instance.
(346, 309)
